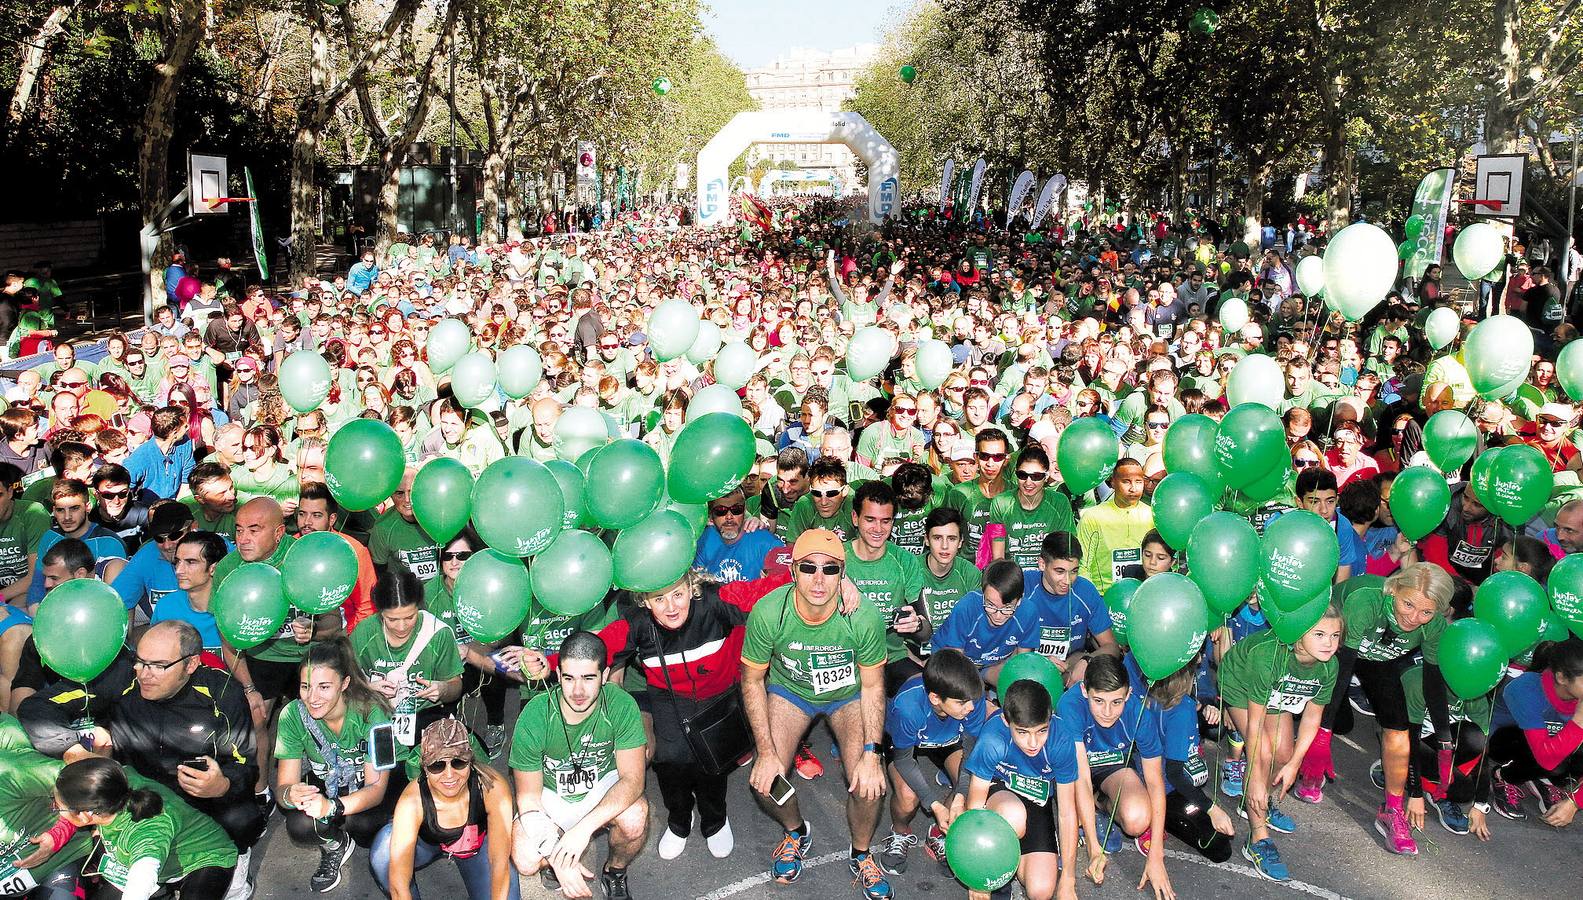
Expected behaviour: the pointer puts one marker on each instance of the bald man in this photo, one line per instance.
(1438, 397)
(1567, 535)
(538, 442)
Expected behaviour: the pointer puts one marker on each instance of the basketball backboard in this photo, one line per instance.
(208, 182)
(1498, 186)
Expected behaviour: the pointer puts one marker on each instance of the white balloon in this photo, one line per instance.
(1360, 268)
(1441, 327)
(1233, 314)
(1311, 276)
(1478, 250)
(1256, 379)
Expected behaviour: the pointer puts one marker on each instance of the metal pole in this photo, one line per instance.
(456, 218)
(1572, 205)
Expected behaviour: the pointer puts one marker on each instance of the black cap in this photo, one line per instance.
(167, 517)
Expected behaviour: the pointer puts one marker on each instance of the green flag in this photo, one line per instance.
(259, 253)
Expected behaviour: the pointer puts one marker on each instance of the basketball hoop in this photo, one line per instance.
(1483, 201)
(214, 203)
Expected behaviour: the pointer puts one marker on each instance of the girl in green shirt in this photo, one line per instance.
(264, 472)
(409, 655)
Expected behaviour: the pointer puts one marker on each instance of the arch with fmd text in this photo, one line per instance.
(795, 127)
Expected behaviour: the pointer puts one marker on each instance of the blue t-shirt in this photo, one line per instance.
(1530, 708)
(1065, 620)
(1247, 622)
(101, 541)
(146, 579)
(177, 605)
(1110, 746)
(741, 561)
(1353, 552)
(968, 629)
(911, 722)
(997, 758)
(163, 474)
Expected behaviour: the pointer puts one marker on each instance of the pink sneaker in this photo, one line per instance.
(1392, 825)
(1310, 790)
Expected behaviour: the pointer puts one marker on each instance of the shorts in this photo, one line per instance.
(807, 708)
(274, 680)
(10, 615)
(1382, 684)
(1039, 835)
(936, 755)
(1098, 774)
(564, 814)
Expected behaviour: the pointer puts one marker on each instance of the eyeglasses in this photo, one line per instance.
(1303, 463)
(161, 667)
(999, 610)
(1028, 475)
(456, 556)
(991, 457)
(905, 410)
(736, 510)
(115, 495)
(808, 568)
(135, 362)
(1159, 426)
(459, 763)
(826, 494)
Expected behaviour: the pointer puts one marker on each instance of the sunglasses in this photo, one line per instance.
(73, 384)
(460, 764)
(906, 410)
(115, 495)
(736, 510)
(808, 568)
(992, 457)
(1304, 463)
(823, 495)
(456, 556)
(1026, 475)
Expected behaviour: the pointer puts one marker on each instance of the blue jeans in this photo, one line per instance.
(475, 869)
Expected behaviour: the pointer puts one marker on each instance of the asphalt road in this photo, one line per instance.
(1335, 853)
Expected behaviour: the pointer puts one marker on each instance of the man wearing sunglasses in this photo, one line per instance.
(802, 660)
(150, 574)
(729, 550)
(825, 505)
(973, 498)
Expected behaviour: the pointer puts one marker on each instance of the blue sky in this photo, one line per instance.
(753, 32)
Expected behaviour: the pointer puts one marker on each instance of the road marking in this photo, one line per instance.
(1303, 887)
(1350, 743)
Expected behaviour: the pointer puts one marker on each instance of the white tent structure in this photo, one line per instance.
(795, 127)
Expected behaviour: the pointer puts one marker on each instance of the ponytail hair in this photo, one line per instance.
(336, 655)
(397, 587)
(98, 785)
(1562, 658)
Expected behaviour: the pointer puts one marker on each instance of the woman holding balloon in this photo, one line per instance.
(484, 677)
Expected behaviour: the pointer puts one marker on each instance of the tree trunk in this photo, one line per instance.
(1339, 160)
(388, 204)
(313, 113)
(514, 206)
(186, 30)
(1253, 202)
(494, 185)
(30, 61)
(1501, 111)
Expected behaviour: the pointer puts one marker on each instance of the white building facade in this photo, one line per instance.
(810, 80)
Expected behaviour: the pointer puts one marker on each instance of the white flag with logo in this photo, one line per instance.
(945, 182)
(1019, 193)
(1054, 186)
(978, 182)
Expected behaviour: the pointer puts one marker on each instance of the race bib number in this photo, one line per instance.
(1054, 642)
(831, 672)
(1098, 758)
(15, 882)
(1035, 789)
(1195, 769)
(285, 634)
(405, 720)
(1126, 562)
(424, 563)
(1286, 702)
(574, 781)
(113, 871)
(1468, 556)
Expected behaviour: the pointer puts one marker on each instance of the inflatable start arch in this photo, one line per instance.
(795, 127)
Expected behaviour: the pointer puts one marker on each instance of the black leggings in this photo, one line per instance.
(491, 689)
(1191, 825)
(62, 884)
(1509, 749)
(684, 785)
(361, 826)
(202, 884)
(1468, 744)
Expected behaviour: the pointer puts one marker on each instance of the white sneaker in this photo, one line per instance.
(241, 888)
(721, 842)
(671, 844)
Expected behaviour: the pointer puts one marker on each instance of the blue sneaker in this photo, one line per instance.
(869, 878)
(1377, 774)
(1452, 818)
(786, 859)
(1231, 772)
(1266, 860)
(1113, 837)
(1273, 817)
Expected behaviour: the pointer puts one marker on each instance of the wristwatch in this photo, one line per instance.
(1482, 807)
(337, 808)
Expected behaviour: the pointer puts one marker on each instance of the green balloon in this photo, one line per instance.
(1478, 251)
(517, 506)
(1472, 658)
(982, 849)
(1223, 560)
(1419, 500)
(1166, 624)
(1450, 439)
(1249, 443)
(1566, 591)
(573, 575)
(79, 628)
(1281, 478)
(1360, 268)
(1553, 629)
(1118, 602)
(706, 344)
(655, 553)
(493, 593)
(578, 430)
(1497, 353)
(1413, 227)
(1300, 554)
(448, 342)
(933, 363)
(869, 353)
(711, 456)
(1569, 369)
(735, 364)
(1291, 625)
(573, 482)
(715, 398)
(473, 379)
(909, 74)
(696, 514)
(319, 572)
(1032, 667)
(1441, 327)
(1087, 454)
(442, 498)
(625, 482)
(305, 380)
(364, 464)
(672, 328)
(1406, 249)
(519, 370)
(1481, 475)
(249, 605)
(1520, 482)
(1181, 501)
(1515, 605)
(1190, 447)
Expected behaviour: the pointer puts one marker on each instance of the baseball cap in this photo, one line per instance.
(246, 362)
(961, 450)
(778, 561)
(167, 517)
(1560, 411)
(179, 359)
(444, 739)
(1042, 430)
(818, 540)
(140, 424)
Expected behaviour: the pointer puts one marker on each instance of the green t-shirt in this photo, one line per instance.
(1026, 528)
(544, 631)
(27, 808)
(294, 741)
(406, 541)
(19, 536)
(441, 603)
(881, 444)
(1262, 670)
(429, 653)
(889, 583)
(283, 647)
(818, 663)
(804, 515)
(280, 485)
(1369, 615)
(575, 757)
(181, 838)
(1478, 711)
(940, 594)
(224, 524)
(969, 498)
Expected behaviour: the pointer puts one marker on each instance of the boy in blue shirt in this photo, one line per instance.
(1069, 609)
(992, 624)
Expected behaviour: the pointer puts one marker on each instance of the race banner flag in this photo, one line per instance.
(1053, 187)
(978, 182)
(1019, 193)
(1432, 203)
(945, 183)
(260, 255)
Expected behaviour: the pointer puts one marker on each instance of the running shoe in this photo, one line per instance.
(807, 765)
(869, 878)
(934, 844)
(1266, 860)
(942, 779)
(1392, 825)
(1273, 817)
(1142, 842)
(1546, 793)
(1360, 702)
(494, 740)
(671, 844)
(722, 842)
(893, 852)
(1377, 774)
(1507, 798)
(549, 879)
(1231, 772)
(614, 884)
(786, 859)
(1452, 817)
(333, 855)
(1113, 837)
(1310, 790)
